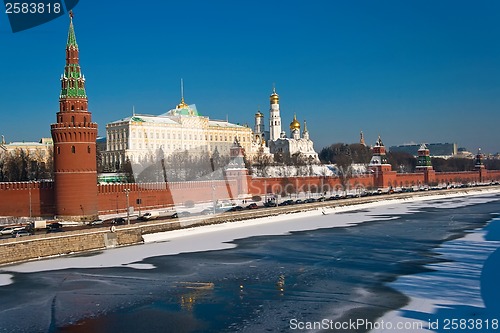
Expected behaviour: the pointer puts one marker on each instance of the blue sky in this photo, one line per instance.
(411, 71)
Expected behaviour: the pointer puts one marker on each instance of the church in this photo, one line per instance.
(297, 145)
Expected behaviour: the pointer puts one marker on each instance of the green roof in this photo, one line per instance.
(71, 35)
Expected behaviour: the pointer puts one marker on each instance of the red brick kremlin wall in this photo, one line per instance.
(112, 198)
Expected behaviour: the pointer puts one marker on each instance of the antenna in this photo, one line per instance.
(182, 90)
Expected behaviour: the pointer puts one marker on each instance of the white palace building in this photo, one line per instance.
(143, 138)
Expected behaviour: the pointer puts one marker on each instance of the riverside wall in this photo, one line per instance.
(15, 250)
(17, 199)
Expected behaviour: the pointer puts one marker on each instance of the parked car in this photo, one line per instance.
(271, 203)
(10, 230)
(253, 205)
(118, 221)
(96, 222)
(20, 233)
(298, 201)
(54, 227)
(180, 214)
(235, 209)
(207, 211)
(150, 216)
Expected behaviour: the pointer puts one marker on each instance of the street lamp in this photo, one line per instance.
(213, 197)
(29, 189)
(127, 192)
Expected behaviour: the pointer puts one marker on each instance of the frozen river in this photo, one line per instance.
(407, 262)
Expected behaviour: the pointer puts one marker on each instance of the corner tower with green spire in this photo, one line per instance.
(74, 135)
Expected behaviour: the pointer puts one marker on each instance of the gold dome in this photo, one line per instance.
(294, 124)
(259, 114)
(274, 98)
(182, 104)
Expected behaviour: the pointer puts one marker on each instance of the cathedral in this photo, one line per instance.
(298, 145)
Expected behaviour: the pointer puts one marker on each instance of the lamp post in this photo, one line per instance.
(29, 190)
(213, 197)
(127, 192)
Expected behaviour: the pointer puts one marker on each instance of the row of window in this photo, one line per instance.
(73, 150)
(118, 135)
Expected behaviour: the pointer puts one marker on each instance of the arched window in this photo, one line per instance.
(58, 150)
(72, 108)
(73, 149)
(72, 119)
(88, 149)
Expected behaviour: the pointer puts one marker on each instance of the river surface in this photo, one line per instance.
(262, 284)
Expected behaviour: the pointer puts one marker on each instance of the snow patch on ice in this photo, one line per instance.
(453, 290)
(5, 279)
(140, 266)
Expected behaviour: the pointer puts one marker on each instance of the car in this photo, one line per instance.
(271, 203)
(207, 211)
(180, 214)
(321, 199)
(118, 220)
(253, 205)
(287, 203)
(50, 231)
(10, 230)
(96, 222)
(150, 216)
(235, 209)
(299, 201)
(20, 233)
(54, 227)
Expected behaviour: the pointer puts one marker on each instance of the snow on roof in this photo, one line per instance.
(223, 123)
(162, 119)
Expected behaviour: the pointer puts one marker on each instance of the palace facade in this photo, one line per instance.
(143, 139)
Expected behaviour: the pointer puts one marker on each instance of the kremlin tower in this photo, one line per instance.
(74, 135)
(380, 166)
(274, 116)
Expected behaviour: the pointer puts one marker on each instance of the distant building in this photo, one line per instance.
(443, 150)
(41, 150)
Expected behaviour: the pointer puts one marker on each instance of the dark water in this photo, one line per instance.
(259, 286)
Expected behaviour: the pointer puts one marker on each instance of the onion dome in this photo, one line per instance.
(259, 114)
(274, 98)
(294, 124)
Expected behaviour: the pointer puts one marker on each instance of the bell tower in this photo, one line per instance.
(274, 116)
(74, 135)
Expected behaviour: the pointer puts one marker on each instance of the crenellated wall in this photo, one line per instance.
(112, 198)
(15, 199)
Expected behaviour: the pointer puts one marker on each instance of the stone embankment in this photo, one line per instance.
(15, 250)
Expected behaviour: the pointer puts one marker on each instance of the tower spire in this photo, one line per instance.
(362, 138)
(71, 32)
(182, 90)
(182, 104)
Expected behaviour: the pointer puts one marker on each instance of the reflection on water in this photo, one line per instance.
(194, 290)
